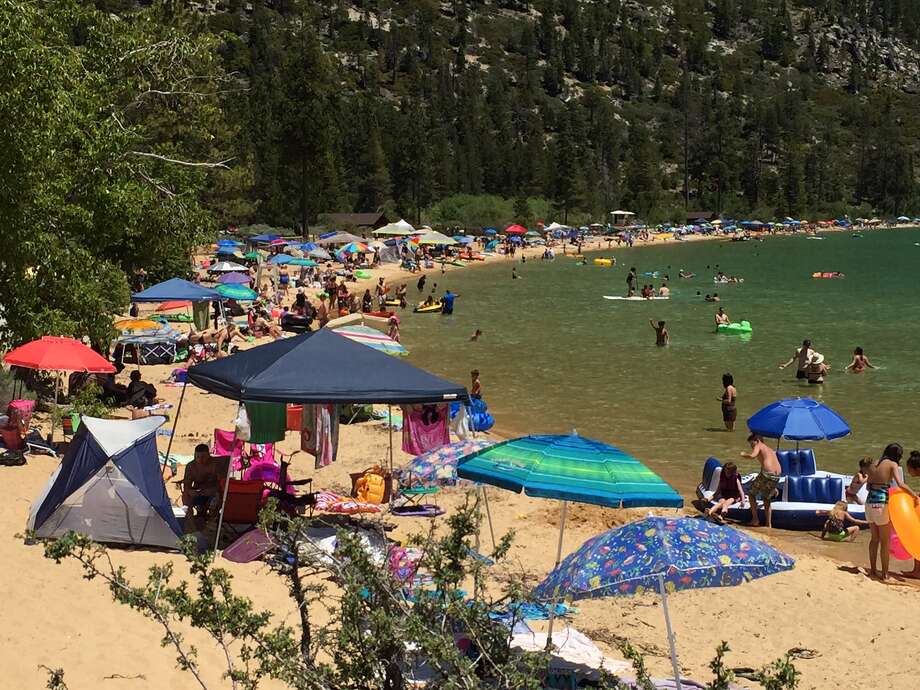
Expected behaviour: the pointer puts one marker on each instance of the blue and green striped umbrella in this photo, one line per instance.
(237, 292)
(570, 468)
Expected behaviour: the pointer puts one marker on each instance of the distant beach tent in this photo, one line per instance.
(398, 229)
(515, 229)
(109, 487)
(903, 219)
(338, 238)
(436, 238)
(226, 266)
(177, 289)
(554, 226)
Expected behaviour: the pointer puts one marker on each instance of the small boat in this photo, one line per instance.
(803, 491)
(428, 308)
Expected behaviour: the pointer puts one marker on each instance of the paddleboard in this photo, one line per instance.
(635, 298)
(814, 238)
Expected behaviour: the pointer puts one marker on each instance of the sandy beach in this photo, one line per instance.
(825, 608)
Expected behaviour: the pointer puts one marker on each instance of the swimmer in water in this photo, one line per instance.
(514, 275)
(802, 356)
(664, 291)
(860, 362)
(476, 336)
(662, 337)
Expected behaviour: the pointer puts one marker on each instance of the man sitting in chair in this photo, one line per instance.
(201, 486)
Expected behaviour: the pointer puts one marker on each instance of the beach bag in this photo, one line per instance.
(12, 458)
(242, 429)
(371, 486)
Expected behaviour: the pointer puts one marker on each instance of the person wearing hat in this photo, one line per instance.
(816, 369)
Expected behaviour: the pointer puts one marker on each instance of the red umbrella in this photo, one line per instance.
(174, 304)
(515, 230)
(59, 354)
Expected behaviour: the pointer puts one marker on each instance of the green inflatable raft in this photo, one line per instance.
(735, 328)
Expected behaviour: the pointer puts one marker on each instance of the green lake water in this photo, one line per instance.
(555, 356)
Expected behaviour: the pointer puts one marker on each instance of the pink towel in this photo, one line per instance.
(425, 427)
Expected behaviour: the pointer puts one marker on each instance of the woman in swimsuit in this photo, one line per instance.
(728, 493)
(729, 398)
(887, 469)
(860, 362)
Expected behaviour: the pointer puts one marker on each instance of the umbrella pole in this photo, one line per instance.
(57, 388)
(667, 623)
(485, 499)
(552, 606)
(175, 422)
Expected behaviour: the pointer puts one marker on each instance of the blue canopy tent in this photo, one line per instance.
(320, 367)
(329, 368)
(263, 238)
(176, 289)
(109, 487)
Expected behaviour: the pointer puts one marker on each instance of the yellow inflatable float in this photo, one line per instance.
(603, 262)
(905, 517)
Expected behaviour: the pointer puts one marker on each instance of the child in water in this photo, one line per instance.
(860, 362)
(835, 527)
(859, 480)
(476, 336)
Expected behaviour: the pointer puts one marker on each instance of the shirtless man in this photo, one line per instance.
(882, 473)
(662, 337)
(722, 318)
(664, 291)
(802, 356)
(200, 486)
(764, 484)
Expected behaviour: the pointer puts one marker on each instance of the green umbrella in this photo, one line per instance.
(237, 292)
(252, 256)
(302, 262)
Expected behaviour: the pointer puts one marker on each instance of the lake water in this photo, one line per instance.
(556, 356)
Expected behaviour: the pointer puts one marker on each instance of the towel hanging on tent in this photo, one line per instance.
(425, 427)
(319, 432)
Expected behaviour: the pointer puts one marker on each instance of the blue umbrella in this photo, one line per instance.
(663, 553)
(798, 419)
(281, 259)
(226, 249)
(229, 243)
(234, 278)
(491, 232)
(307, 246)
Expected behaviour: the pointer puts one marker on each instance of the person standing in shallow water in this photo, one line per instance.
(662, 337)
(729, 398)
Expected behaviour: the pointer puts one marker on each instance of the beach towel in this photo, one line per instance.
(267, 421)
(319, 433)
(328, 502)
(425, 427)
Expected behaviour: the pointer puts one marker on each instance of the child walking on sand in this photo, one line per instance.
(728, 493)
(859, 480)
(835, 527)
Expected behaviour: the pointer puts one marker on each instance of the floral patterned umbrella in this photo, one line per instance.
(689, 551)
(663, 554)
(439, 466)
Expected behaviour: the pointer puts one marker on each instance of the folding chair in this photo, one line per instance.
(227, 445)
(241, 509)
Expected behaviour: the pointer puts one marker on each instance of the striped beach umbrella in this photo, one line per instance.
(439, 466)
(237, 292)
(373, 339)
(353, 248)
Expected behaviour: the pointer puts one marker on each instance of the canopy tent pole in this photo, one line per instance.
(552, 605)
(223, 502)
(485, 498)
(172, 435)
(667, 623)
(390, 433)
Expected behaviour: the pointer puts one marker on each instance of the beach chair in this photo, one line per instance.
(241, 509)
(227, 445)
(261, 452)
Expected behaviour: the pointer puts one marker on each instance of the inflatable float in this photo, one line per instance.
(392, 303)
(831, 274)
(634, 298)
(360, 273)
(905, 517)
(803, 492)
(735, 328)
(603, 262)
(428, 308)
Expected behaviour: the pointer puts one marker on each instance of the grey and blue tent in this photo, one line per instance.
(109, 487)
